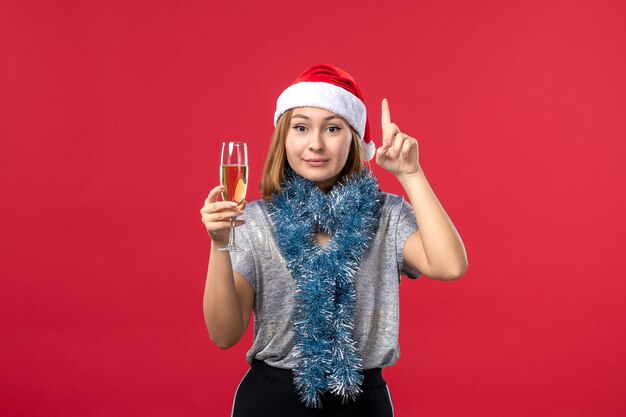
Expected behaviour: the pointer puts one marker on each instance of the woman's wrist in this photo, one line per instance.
(218, 244)
(410, 176)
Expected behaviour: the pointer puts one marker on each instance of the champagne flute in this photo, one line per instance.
(234, 178)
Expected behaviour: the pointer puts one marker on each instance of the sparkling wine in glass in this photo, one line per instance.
(234, 178)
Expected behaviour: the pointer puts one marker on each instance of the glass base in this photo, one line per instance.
(232, 248)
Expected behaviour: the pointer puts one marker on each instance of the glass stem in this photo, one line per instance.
(231, 240)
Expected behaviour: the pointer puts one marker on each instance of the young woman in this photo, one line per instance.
(326, 249)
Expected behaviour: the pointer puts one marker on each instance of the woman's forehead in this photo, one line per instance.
(314, 113)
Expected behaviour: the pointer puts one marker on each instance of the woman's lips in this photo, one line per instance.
(316, 162)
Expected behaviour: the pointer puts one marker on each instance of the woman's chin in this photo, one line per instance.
(315, 174)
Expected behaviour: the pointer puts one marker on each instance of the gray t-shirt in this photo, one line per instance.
(376, 285)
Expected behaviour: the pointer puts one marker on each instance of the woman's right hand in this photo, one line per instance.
(216, 216)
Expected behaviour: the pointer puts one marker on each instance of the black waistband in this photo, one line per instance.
(371, 377)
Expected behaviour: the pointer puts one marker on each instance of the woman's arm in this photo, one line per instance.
(436, 250)
(228, 300)
(228, 297)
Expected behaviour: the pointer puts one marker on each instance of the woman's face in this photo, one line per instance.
(317, 145)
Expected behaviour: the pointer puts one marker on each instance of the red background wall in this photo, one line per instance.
(111, 118)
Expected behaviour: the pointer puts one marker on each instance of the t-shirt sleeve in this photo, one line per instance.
(243, 261)
(405, 228)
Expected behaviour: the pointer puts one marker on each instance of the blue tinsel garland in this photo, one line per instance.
(328, 358)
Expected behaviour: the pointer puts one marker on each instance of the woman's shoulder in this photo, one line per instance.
(255, 213)
(256, 205)
(391, 201)
(394, 207)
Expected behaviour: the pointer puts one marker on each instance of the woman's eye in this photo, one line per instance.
(334, 129)
(300, 128)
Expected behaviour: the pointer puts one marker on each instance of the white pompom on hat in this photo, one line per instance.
(330, 88)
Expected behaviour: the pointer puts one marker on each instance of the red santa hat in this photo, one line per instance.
(332, 89)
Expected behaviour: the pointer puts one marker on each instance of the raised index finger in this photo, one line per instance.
(385, 117)
(388, 128)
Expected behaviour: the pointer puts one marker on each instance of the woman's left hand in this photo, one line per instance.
(399, 152)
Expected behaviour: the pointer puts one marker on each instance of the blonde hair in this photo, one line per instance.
(276, 161)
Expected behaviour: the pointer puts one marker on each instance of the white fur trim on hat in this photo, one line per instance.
(326, 96)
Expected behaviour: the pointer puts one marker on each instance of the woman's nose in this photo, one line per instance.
(316, 143)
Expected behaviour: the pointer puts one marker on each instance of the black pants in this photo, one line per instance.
(266, 391)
